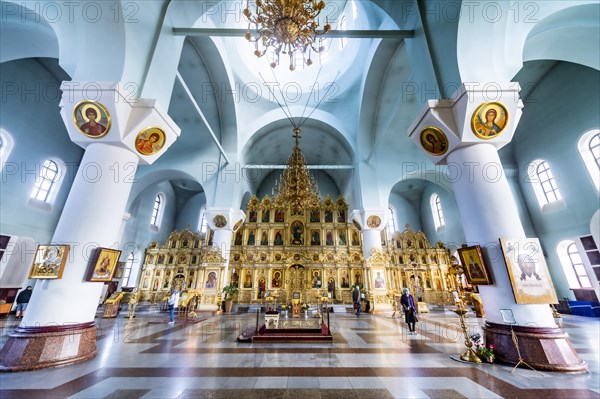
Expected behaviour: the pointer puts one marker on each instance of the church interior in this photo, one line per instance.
(256, 198)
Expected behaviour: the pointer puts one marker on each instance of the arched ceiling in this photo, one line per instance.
(232, 87)
(320, 144)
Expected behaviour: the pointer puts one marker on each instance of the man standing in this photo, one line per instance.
(173, 304)
(22, 301)
(356, 300)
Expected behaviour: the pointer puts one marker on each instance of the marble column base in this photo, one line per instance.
(32, 348)
(543, 348)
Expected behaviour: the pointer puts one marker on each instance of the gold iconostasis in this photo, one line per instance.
(278, 251)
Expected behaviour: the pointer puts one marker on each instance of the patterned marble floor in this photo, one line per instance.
(371, 357)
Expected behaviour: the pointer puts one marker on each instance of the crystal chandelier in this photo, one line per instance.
(286, 26)
(297, 187)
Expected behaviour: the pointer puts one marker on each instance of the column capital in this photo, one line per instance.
(107, 112)
(370, 219)
(475, 114)
(224, 218)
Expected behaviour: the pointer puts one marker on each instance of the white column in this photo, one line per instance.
(371, 240)
(222, 239)
(488, 212)
(91, 218)
(224, 222)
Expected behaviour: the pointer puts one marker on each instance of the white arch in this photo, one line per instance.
(492, 36)
(20, 39)
(275, 115)
(568, 35)
(77, 27)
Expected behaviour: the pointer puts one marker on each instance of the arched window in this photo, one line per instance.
(436, 211)
(45, 183)
(6, 145)
(342, 26)
(127, 271)
(203, 225)
(548, 183)
(157, 210)
(589, 149)
(594, 146)
(391, 225)
(544, 184)
(572, 265)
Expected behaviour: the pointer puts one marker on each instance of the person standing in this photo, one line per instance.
(173, 304)
(356, 299)
(410, 310)
(22, 301)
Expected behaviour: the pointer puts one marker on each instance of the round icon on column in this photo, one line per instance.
(489, 120)
(92, 119)
(374, 222)
(150, 140)
(220, 221)
(434, 141)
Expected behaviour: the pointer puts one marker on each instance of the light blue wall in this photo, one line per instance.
(190, 213)
(452, 235)
(549, 129)
(31, 116)
(138, 231)
(405, 212)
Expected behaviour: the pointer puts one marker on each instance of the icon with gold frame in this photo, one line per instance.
(150, 140)
(103, 264)
(489, 120)
(474, 265)
(92, 119)
(434, 141)
(220, 221)
(374, 222)
(49, 262)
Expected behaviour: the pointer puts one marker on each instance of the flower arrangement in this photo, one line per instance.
(485, 351)
(304, 307)
(283, 307)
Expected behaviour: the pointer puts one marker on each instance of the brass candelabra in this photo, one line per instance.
(469, 355)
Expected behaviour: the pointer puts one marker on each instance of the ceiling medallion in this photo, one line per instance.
(297, 188)
(286, 26)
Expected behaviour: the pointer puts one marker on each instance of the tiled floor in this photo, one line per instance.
(371, 357)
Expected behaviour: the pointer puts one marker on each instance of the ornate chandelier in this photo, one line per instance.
(286, 26)
(297, 187)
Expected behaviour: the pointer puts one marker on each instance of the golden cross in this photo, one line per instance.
(297, 135)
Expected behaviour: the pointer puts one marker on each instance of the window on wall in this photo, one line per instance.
(544, 184)
(547, 182)
(589, 149)
(6, 146)
(572, 265)
(46, 181)
(157, 210)
(127, 271)
(391, 225)
(342, 26)
(323, 51)
(203, 226)
(436, 210)
(299, 60)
